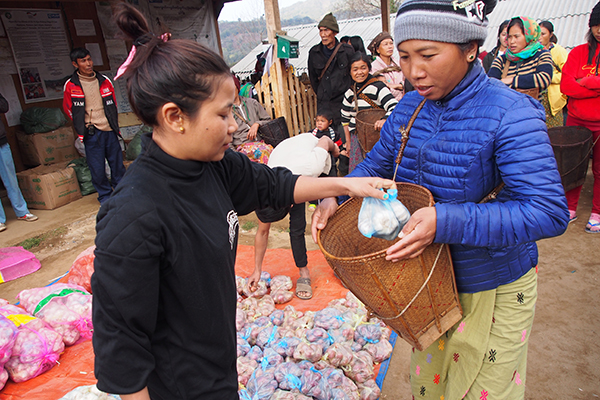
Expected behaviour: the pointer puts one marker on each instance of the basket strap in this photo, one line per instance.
(437, 257)
(404, 132)
(240, 116)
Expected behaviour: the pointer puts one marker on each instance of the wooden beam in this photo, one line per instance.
(272, 19)
(385, 15)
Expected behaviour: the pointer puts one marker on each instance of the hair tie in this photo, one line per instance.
(164, 37)
(124, 66)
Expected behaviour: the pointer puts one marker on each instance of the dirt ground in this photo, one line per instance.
(563, 359)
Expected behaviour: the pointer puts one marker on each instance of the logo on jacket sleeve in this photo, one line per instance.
(232, 220)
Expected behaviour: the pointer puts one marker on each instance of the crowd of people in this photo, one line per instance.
(164, 281)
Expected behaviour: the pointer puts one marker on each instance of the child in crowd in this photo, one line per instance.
(323, 121)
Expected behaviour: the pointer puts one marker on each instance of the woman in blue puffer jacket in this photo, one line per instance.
(472, 134)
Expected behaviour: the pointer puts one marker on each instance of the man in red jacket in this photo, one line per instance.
(89, 100)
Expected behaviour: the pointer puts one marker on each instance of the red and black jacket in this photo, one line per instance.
(74, 102)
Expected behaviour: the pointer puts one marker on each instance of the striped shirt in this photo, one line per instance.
(377, 92)
(535, 72)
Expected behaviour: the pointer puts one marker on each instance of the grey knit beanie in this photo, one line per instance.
(329, 22)
(449, 21)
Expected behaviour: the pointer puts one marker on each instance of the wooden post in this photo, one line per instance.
(273, 21)
(385, 15)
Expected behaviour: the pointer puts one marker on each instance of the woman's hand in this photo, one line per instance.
(344, 152)
(417, 234)
(253, 280)
(397, 86)
(322, 214)
(508, 80)
(379, 124)
(253, 132)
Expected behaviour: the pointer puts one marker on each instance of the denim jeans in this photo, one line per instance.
(9, 179)
(104, 145)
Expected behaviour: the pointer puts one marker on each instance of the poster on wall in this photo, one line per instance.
(185, 19)
(41, 52)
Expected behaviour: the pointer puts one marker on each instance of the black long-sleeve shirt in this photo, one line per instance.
(164, 283)
(3, 110)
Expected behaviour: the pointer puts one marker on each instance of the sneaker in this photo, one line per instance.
(2, 226)
(312, 207)
(29, 217)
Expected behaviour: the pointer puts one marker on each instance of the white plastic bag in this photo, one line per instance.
(383, 219)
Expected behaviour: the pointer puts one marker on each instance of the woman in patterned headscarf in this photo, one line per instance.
(385, 66)
(526, 64)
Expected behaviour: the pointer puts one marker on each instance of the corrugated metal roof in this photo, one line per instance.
(570, 19)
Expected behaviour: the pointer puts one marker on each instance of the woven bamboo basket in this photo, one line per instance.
(417, 298)
(274, 132)
(365, 127)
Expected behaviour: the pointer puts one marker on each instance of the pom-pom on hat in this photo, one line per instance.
(595, 15)
(450, 21)
(329, 22)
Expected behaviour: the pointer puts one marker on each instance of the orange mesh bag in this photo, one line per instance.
(82, 269)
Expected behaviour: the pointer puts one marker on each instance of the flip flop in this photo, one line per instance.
(592, 226)
(303, 285)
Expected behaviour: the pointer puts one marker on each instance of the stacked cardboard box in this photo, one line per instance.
(49, 186)
(47, 148)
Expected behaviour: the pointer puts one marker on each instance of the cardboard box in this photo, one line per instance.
(49, 186)
(47, 148)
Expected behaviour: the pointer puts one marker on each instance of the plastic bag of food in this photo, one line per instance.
(255, 353)
(367, 333)
(369, 390)
(329, 318)
(308, 351)
(360, 369)
(265, 306)
(314, 385)
(82, 269)
(245, 368)
(90, 392)
(281, 282)
(344, 335)
(267, 336)
(243, 347)
(282, 296)
(262, 384)
(380, 351)
(8, 335)
(285, 346)
(270, 359)
(240, 319)
(259, 292)
(65, 307)
(265, 276)
(286, 395)
(37, 347)
(382, 218)
(277, 317)
(338, 355)
(288, 375)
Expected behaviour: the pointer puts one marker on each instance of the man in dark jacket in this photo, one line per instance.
(89, 100)
(330, 84)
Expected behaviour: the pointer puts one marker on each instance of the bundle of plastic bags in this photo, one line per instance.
(65, 307)
(382, 219)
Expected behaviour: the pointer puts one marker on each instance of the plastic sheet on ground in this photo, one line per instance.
(76, 366)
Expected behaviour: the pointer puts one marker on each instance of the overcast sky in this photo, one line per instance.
(247, 10)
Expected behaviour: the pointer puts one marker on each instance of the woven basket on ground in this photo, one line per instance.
(365, 127)
(274, 132)
(572, 146)
(416, 300)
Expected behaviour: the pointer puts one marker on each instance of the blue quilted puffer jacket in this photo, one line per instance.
(462, 147)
